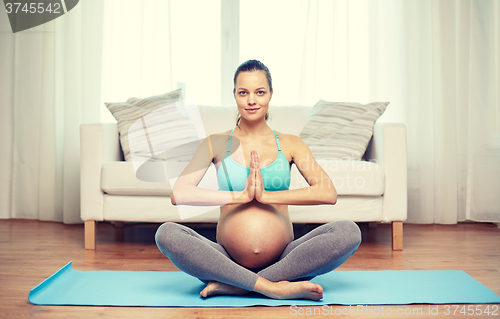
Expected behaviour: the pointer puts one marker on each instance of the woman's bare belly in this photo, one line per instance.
(254, 234)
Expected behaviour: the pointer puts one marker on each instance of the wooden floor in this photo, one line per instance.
(31, 251)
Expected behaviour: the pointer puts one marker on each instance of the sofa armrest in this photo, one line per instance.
(387, 148)
(99, 145)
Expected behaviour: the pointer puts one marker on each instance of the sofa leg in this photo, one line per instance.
(397, 235)
(90, 234)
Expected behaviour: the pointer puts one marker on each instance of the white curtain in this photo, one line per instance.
(454, 168)
(50, 82)
(58, 75)
(136, 51)
(438, 63)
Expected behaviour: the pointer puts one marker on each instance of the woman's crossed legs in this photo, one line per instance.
(317, 252)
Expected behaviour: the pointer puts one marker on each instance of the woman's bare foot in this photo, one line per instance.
(298, 290)
(275, 290)
(288, 290)
(215, 288)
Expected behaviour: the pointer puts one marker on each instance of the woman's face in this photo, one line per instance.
(252, 94)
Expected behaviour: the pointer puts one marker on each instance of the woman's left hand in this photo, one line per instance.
(260, 192)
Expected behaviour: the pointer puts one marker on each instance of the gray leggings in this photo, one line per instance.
(317, 252)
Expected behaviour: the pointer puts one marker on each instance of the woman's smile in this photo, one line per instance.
(252, 110)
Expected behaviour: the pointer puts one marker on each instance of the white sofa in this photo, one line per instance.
(371, 190)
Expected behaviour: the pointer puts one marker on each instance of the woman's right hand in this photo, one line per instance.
(249, 191)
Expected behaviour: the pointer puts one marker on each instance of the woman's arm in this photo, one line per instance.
(321, 189)
(186, 190)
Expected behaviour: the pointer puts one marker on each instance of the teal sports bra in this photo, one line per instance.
(232, 176)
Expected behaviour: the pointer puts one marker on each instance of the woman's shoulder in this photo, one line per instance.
(288, 138)
(290, 143)
(218, 141)
(219, 136)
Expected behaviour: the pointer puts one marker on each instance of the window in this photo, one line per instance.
(196, 49)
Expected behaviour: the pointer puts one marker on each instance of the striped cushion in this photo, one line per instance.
(339, 130)
(152, 125)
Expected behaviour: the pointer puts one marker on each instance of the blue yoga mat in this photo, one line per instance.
(177, 289)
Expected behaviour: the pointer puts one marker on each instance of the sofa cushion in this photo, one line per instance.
(152, 125)
(159, 209)
(349, 177)
(288, 119)
(118, 178)
(218, 119)
(339, 130)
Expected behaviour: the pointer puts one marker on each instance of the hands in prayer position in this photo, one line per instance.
(254, 186)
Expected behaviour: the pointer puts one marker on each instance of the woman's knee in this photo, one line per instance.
(353, 233)
(350, 232)
(166, 235)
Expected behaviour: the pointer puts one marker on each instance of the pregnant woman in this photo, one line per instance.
(255, 249)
